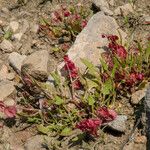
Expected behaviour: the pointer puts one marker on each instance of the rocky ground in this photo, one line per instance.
(22, 44)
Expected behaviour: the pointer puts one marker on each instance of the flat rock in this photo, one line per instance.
(3, 72)
(37, 64)
(125, 9)
(15, 60)
(138, 96)
(89, 44)
(9, 102)
(14, 25)
(6, 46)
(35, 143)
(119, 124)
(6, 88)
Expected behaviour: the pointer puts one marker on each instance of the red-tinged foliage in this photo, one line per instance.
(106, 115)
(9, 111)
(89, 125)
(72, 72)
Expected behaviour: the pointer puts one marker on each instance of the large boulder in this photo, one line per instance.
(37, 64)
(89, 43)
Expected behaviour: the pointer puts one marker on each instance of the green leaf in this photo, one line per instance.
(91, 84)
(56, 77)
(89, 65)
(33, 120)
(58, 100)
(107, 87)
(66, 131)
(104, 65)
(91, 100)
(42, 129)
(147, 52)
(55, 49)
(8, 34)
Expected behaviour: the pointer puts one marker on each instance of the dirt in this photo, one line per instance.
(32, 11)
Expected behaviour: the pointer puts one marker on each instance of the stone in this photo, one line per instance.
(146, 19)
(18, 36)
(125, 9)
(3, 72)
(6, 46)
(138, 96)
(89, 44)
(37, 64)
(10, 76)
(111, 2)
(35, 143)
(15, 60)
(119, 124)
(9, 102)
(102, 5)
(14, 25)
(34, 28)
(6, 88)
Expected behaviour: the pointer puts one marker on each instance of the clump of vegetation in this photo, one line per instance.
(85, 101)
(65, 24)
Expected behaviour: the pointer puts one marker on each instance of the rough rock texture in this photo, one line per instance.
(6, 88)
(37, 64)
(89, 43)
(125, 9)
(102, 5)
(35, 143)
(138, 96)
(147, 107)
(119, 123)
(6, 46)
(15, 60)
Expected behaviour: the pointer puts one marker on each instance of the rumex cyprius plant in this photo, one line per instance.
(86, 101)
(65, 24)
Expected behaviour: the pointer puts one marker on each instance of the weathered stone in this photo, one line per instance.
(35, 143)
(89, 43)
(15, 60)
(34, 28)
(14, 25)
(10, 76)
(138, 96)
(37, 64)
(6, 88)
(125, 9)
(3, 72)
(119, 124)
(9, 102)
(102, 5)
(18, 36)
(6, 46)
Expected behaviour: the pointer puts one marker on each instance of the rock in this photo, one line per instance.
(146, 19)
(102, 5)
(6, 46)
(6, 88)
(3, 72)
(35, 143)
(10, 76)
(119, 124)
(15, 60)
(125, 9)
(89, 44)
(140, 139)
(14, 25)
(18, 36)
(37, 64)
(25, 26)
(9, 102)
(111, 2)
(34, 28)
(138, 96)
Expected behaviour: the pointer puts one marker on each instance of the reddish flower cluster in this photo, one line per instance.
(9, 111)
(91, 125)
(117, 49)
(133, 78)
(72, 72)
(106, 114)
(72, 17)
